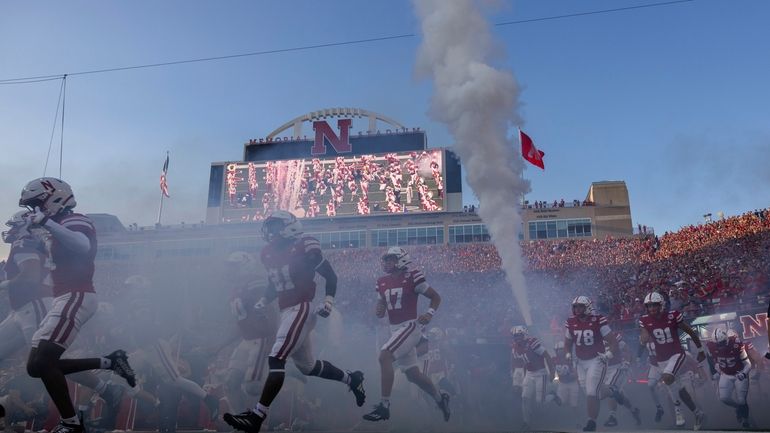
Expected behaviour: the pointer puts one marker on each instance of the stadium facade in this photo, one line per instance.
(360, 180)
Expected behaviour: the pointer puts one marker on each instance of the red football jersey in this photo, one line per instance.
(664, 333)
(588, 335)
(21, 251)
(73, 272)
(289, 270)
(400, 291)
(251, 324)
(530, 352)
(730, 357)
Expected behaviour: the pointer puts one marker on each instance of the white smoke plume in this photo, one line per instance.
(479, 104)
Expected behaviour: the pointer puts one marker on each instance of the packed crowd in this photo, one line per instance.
(703, 268)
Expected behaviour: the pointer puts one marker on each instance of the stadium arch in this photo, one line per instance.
(334, 112)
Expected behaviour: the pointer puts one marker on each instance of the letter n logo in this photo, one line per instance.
(754, 327)
(324, 133)
(48, 186)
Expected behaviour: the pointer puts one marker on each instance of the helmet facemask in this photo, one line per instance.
(17, 228)
(389, 263)
(654, 308)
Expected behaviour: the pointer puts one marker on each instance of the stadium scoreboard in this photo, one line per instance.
(336, 173)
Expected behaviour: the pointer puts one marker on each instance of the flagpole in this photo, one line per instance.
(160, 209)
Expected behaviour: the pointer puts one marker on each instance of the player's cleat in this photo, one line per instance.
(659, 413)
(357, 387)
(679, 417)
(248, 421)
(444, 405)
(64, 427)
(380, 413)
(590, 425)
(120, 366)
(611, 421)
(637, 416)
(745, 424)
(212, 404)
(700, 418)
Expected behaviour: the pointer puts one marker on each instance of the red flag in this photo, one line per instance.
(163, 173)
(530, 152)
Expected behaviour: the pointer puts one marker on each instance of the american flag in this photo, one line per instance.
(163, 173)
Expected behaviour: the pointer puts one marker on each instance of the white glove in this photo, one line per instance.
(605, 356)
(37, 217)
(715, 376)
(740, 376)
(325, 309)
(260, 305)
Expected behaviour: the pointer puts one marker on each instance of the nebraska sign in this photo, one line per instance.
(754, 325)
(324, 134)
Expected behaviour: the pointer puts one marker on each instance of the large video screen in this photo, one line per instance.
(335, 186)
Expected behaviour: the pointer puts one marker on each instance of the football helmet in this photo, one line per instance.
(17, 227)
(50, 194)
(281, 224)
(395, 259)
(581, 306)
(720, 335)
(654, 303)
(519, 333)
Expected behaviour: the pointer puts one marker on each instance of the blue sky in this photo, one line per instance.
(674, 99)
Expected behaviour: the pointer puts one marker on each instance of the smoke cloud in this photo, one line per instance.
(479, 104)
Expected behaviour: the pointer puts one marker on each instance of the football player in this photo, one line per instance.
(398, 292)
(536, 359)
(432, 355)
(248, 362)
(292, 261)
(732, 371)
(72, 251)
(29, 297)
(567, 389)
(615, 380)
(661, 328)
(757, 361)
(588, 333)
